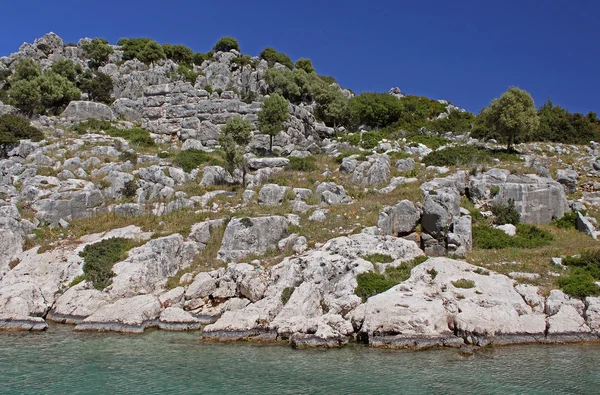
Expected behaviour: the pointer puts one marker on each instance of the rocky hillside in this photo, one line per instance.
(132, 215)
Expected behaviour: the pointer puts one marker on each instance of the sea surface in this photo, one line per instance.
(61, 361)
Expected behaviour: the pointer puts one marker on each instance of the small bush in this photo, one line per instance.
(528, 236)
(580, 284)
(465, 154)
(433, 273)
(506, 214)
(567, 221)
(463, 283)
(14, 128)
(302, 164)
(370, 283)
(377, 258)
(191, 159)
(93, 125)
(272, 56)
(397, 155)
(129, 189)
(433, 142)
(584, 272)
(482, 272)
(136, 136)
(226, 44)
(287, 294)
(100, 257)
(129, 156)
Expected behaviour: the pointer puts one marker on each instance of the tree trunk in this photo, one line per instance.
(271, 143)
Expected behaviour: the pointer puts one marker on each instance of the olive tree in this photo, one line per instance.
(233, 139)
(98, 51)
(273, 113)
(513, 115)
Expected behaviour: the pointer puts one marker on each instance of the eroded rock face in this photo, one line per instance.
(308, 295)
(400, 219)
(130, 315)
(148, 267)
(374, 171)
(246, 236)
(537, 199)
(82, 110)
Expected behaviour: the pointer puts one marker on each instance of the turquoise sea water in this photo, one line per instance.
(61, 361)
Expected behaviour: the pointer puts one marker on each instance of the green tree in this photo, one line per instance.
(132, 47)
(512, 115)
(67, 68)
(226, 44)
(199, 58)
(374, 109)
(151, 53)
(272, 56)
(98, 51)
(332, 105)
(25, 95)
(25, 69)
(180, 54)
(273, 113)
(56, 91)
(233, 139)
(305, 64)
(284, 83)
(97, 85)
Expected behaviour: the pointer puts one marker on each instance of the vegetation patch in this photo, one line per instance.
(377, 258)
(506, 214)
(463, 283)
(528, 236)
(433, 142)
(371, 283)
(191, 159)
(584, 272)
(287, 294)
(302, 164)
(136, 136)
(100, 257)
(91, 125)
(467, 154)
(567, 221)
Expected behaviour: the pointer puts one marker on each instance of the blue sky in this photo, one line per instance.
(466, 51)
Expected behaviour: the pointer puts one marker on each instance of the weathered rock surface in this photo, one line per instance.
(400, 219)
(245, 236)
(82, 110)
(130, 315)
(537, 199)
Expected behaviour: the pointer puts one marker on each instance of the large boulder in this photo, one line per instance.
(272, 195)
(332, 194)
(568, 179)
(148, 267)
(129, 315)
(246, 236)
(374, 171)
(127, 109)
(538, 200)
(439, 209)
(400, 219)
(83, 110)
(457, 305)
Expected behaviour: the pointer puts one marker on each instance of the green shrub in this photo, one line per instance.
(567, 221)
(584, 272)
(377, 258)
(374, 109)
(132, 47)
(466, 154)
(199, 58)
(370, 283)
(98, 51)
(397, 155)
(302, 164)
(93, 125)
(129, 156)
(14, 128)
(178, 53)
(187, 73)
(433, 273)
(287, 294)
(506, 214)
(129, 188)
(457, 122)
(528, 236)
(67, 68)
(272, 56)
(463, 283)
(100, 257)
(305, 64)
(433, 142)
(152, 52)
(191, 159)
(226, 44)
(97, 85)
(137, 136)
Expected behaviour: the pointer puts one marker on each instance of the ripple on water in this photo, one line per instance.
(61, 361)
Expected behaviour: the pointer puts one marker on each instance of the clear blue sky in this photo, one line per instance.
(466, 51)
